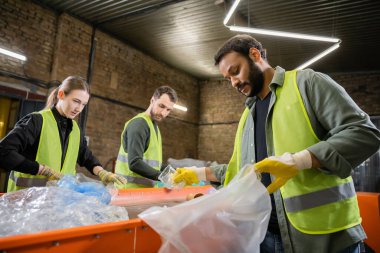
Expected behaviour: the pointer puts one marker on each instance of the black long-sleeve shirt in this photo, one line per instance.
(135, 142)
(19, 148)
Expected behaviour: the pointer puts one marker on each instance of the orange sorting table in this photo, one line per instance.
(124, 236)
(136, 236)
(369, 204)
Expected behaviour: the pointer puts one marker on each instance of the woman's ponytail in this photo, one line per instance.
(52, 99)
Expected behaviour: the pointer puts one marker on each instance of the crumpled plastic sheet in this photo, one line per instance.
(233, 219)
(81, 183)
(46, 208)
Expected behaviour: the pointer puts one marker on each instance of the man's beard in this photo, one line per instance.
(156, 117)
(256, 79)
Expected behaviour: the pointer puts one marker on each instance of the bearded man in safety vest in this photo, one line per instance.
(140, 154)
(305, 135)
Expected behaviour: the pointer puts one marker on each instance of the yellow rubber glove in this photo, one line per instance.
(109, 177)
(50, 173)
(185, 174)
(284, 167)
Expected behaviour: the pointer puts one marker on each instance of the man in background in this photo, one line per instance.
(140, 154)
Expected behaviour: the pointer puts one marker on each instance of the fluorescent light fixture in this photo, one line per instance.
(282, 34)
(319, 56)
(180, 107)
(230, 12)
(12, 54)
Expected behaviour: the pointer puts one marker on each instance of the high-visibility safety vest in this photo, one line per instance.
(49, 153)
(315, 202)
(235, 163)
(152, 156)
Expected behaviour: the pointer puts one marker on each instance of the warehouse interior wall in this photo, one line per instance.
(123, 80)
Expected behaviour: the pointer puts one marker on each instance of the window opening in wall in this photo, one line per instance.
(13, 108)
(9, 109)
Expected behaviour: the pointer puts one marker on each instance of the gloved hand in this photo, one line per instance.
(191, 175)
(51, 174)
(109, 177)
(284, 167)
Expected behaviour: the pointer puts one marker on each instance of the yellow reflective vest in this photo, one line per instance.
(49, 153)
(152, 156)
(315, 202)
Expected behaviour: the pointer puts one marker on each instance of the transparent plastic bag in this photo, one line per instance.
(87, 186)
(166, 177)
(233, 219)
(39, 209)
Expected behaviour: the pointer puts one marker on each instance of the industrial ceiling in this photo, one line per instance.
(185, 34)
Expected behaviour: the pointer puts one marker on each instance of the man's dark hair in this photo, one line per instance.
(166, 90)
(240, 44)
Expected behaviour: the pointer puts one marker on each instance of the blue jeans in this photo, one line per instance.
(271, 244)
(355, 248)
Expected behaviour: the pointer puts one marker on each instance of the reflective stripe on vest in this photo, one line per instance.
(124, 158)
(152, 156)
(315, 202)
(27, 182)
(49, 153)
(314, 199)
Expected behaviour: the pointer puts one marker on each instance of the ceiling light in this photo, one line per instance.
(319, 56)
(12, 54)
(282, 34)
(180, 107)
(228, 16)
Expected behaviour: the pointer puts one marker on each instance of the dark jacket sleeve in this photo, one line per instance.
(19, 148)
(135, 143)
(85, 156)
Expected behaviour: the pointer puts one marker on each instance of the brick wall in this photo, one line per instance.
(220, 110)
(71, 48)
(30, 30)
(364, 88)
(123, 79)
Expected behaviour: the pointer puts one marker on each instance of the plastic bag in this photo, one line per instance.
(85, 185)
(38, 209)
(166, 177)
(233, 219)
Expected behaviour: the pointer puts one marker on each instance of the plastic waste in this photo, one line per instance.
(233, 219)
(166, 178)
(45, 208)
(82, 184)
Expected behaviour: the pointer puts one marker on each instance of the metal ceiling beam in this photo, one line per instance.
(141, 11)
